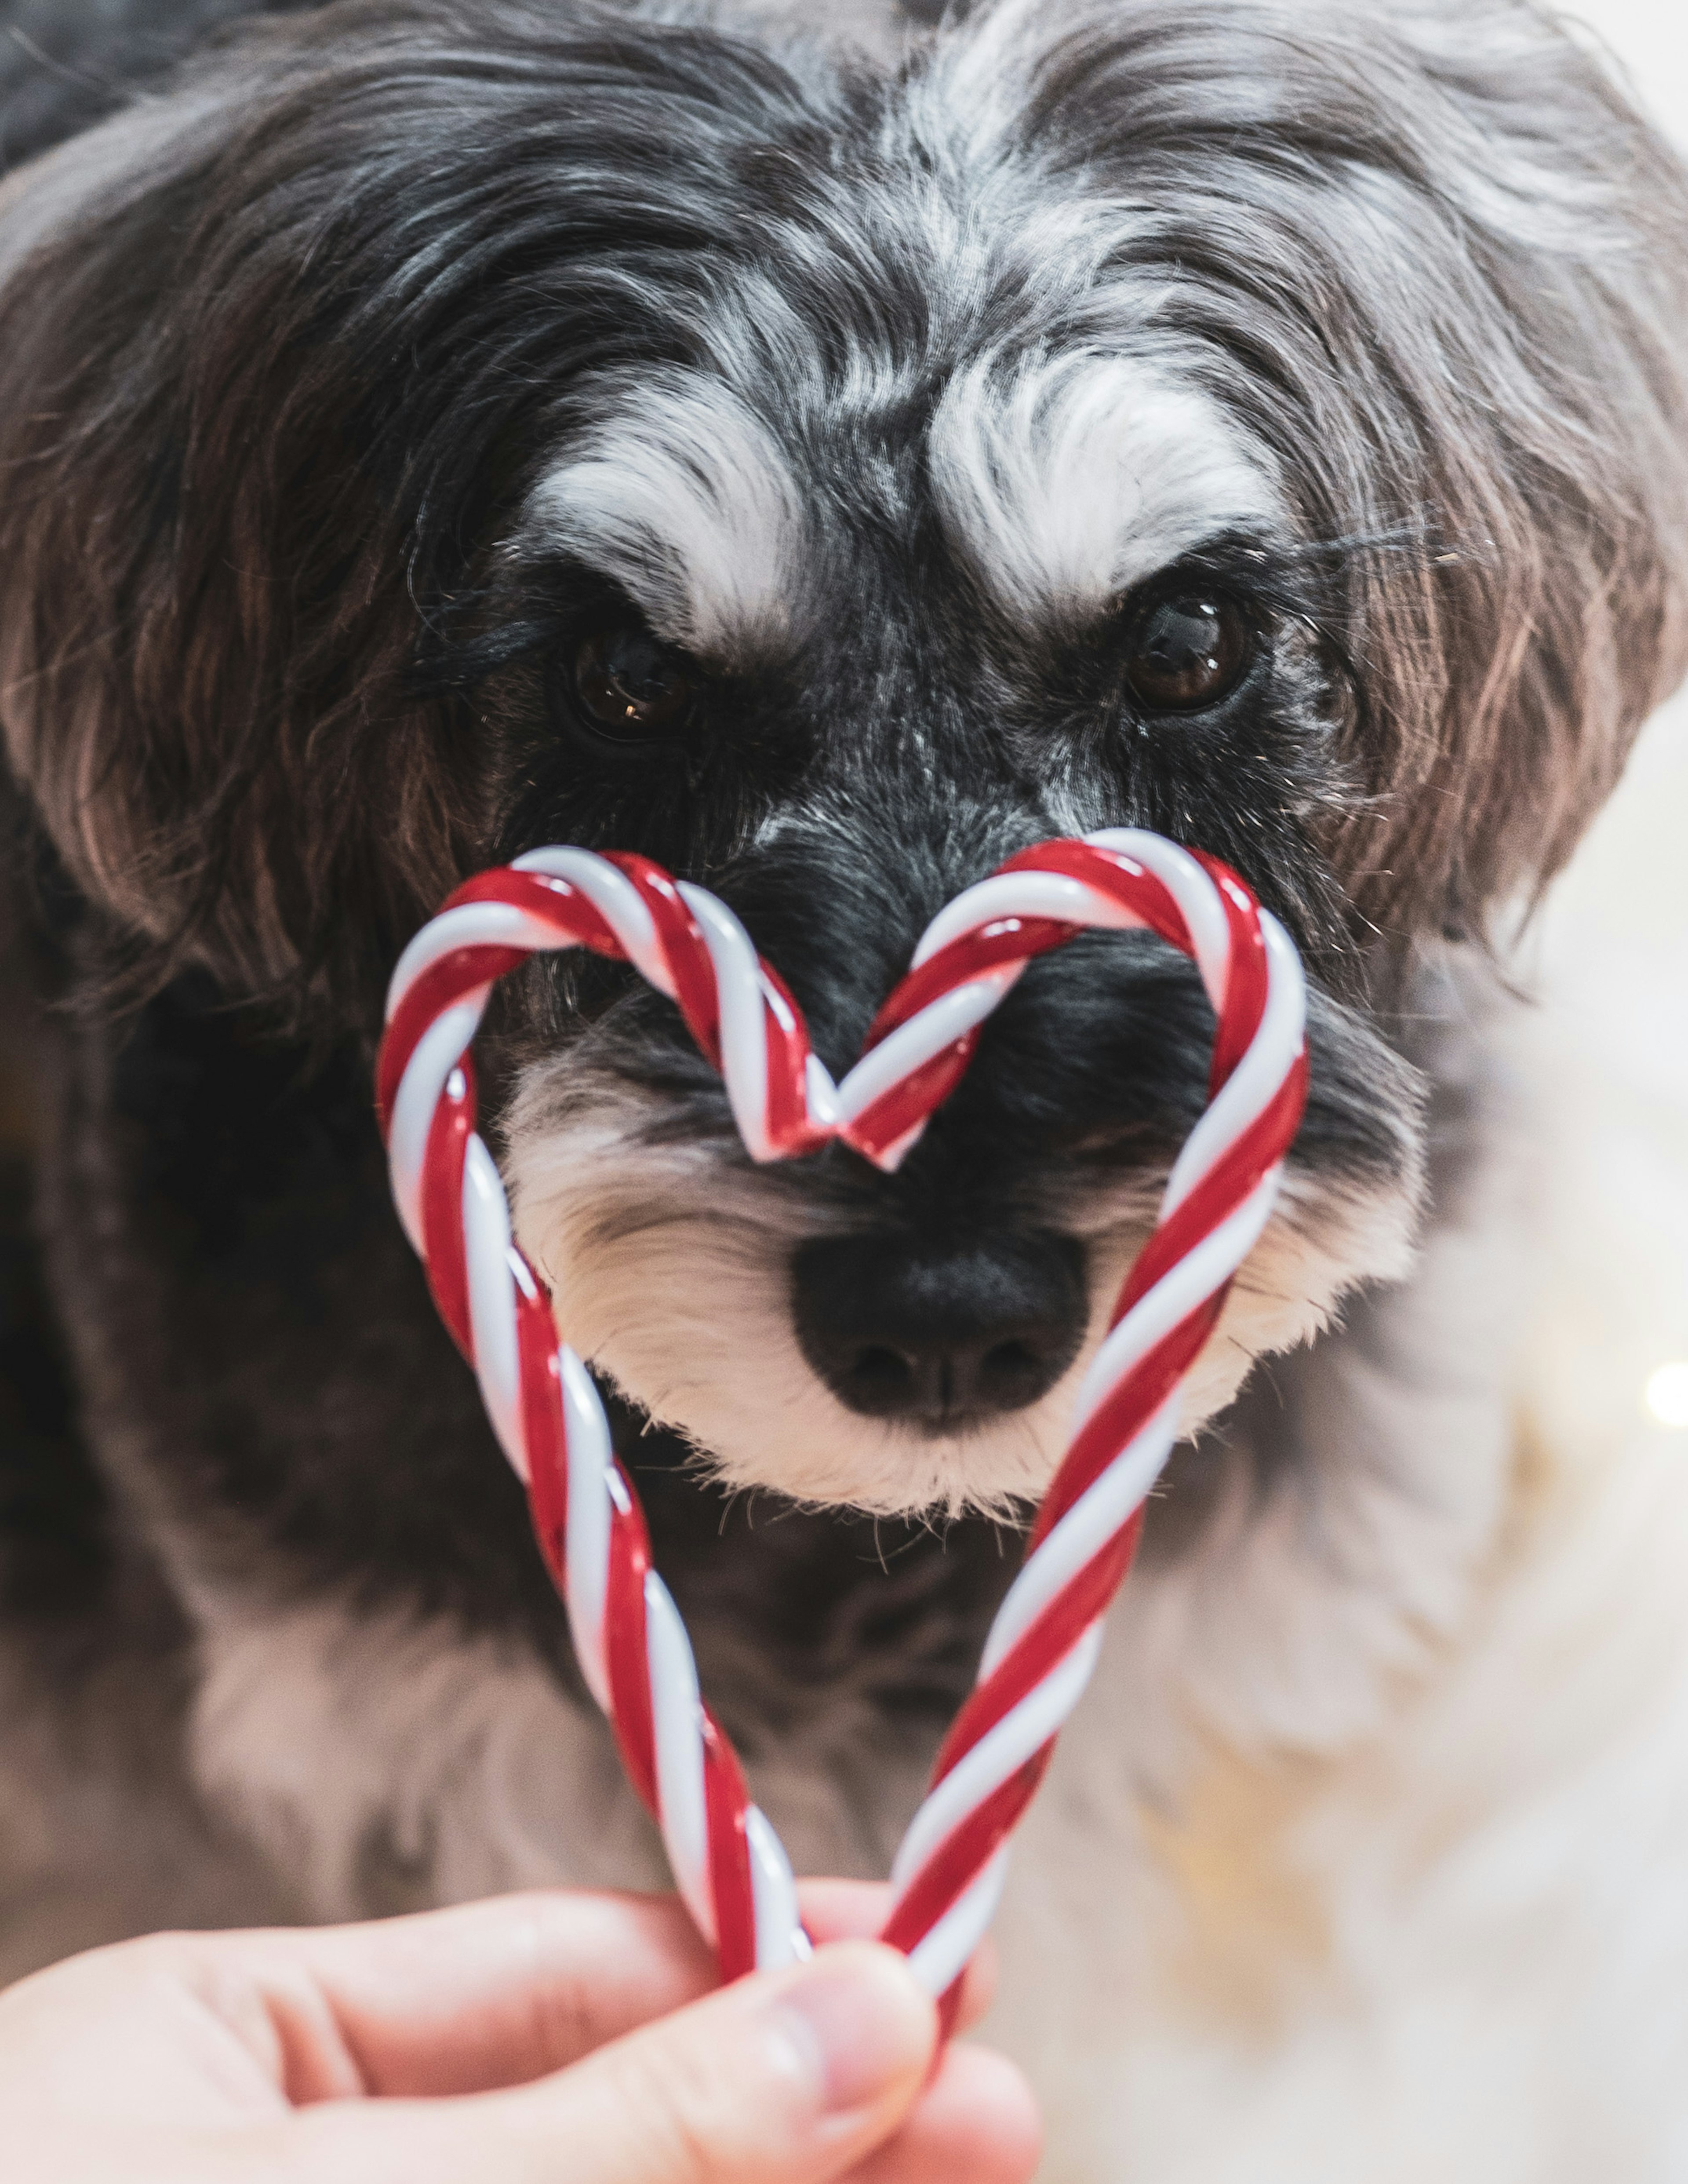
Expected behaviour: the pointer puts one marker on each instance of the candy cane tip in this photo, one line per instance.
(820, 1093)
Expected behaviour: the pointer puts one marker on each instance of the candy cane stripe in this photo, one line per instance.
(977, 1773)
(940, 1955)
(1056, 1574)
(629, 1639)
(681, 1753)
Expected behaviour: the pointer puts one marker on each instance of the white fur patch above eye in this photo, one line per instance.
(683, 499)
(1070, 478)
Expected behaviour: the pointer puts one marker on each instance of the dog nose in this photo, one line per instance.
(940, 1339)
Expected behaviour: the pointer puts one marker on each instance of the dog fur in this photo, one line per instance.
(363, 364)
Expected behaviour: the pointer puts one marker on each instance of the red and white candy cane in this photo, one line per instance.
(1042, 1647)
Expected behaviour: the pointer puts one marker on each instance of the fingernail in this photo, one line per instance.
(861, 2023)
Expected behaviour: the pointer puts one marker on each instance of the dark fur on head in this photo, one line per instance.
(276, 414)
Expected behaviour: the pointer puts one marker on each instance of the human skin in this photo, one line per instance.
(541, 2036)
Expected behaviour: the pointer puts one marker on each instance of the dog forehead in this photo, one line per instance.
(936, 342)
(1058, 479)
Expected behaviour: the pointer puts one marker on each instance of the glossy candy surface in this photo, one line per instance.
(1042, 1647)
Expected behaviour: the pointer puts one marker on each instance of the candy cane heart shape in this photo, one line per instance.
(630, 1643)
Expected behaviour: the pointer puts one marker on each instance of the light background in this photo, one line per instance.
(1628, 887)
(1651, 39)
(1609, 1049)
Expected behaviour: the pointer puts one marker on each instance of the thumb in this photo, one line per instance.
(791, 2077)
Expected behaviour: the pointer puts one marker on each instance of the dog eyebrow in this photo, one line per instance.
(1066, 479)
(682, 497)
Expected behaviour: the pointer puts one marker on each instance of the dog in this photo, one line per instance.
(827, 458)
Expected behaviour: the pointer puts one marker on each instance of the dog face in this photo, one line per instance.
(1256, 424)
(1073, 595)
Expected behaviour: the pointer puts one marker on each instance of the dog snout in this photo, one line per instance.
(938, 1340)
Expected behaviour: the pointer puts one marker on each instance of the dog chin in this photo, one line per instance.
(669, 1270)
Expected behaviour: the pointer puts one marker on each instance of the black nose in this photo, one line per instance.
(940, 1339)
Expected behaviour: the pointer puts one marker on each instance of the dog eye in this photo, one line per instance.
(632, 686)
(1185, 650)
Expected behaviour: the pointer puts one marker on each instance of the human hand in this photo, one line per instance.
(524, 2041)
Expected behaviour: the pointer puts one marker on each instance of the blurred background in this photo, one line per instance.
(1609, 961)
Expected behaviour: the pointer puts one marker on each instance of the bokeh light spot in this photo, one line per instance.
(1667, 1393)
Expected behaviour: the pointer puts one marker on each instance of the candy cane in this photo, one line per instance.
(629, 1639)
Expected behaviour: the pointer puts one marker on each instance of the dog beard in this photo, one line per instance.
(674, 1261)
(673, 1280)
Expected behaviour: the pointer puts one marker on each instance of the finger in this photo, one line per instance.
(857, 1910)
(462, 2001)
(122, 2036)
(789, 2077)
(977, 2122)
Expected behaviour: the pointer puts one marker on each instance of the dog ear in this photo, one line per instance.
(284, 349)
(203, 626)
(1437, 266)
